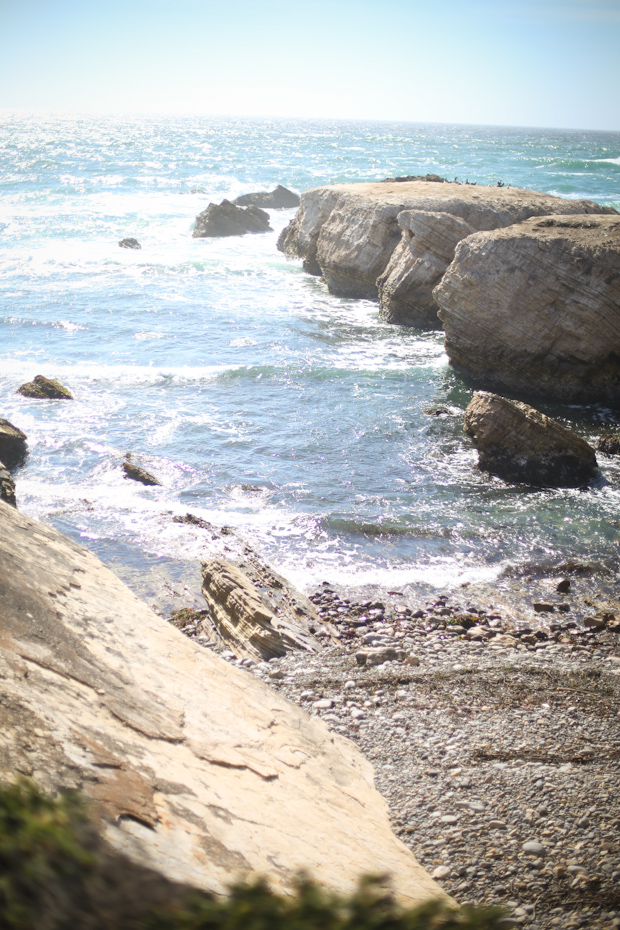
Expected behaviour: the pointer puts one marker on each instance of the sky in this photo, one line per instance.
(551, 63)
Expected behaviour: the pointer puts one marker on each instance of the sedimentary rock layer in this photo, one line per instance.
(349, 233)
(536, 307)
(519, 443)
(199, 770)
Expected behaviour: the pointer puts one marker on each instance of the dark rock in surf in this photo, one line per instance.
(227, 219)
(130, 244)
(280, 198)
(13, 448)
(7, 487)
(518, 443)
(609, 444)
(41, 388)
(138, 474)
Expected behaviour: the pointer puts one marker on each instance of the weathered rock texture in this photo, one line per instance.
(42, 388)
(199, 770)
(280, 198)
(7, 487)
(256, 611)
(536, 307)
(226, 219)
(519, 443)
(13, 447)
(136, 473)
(352, 235)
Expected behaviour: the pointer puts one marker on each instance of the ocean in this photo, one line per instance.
(261, 402)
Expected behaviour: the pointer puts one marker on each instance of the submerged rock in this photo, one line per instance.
(256, 611)
(136, 473)
(195, 768)
(7, 487)
(227, 219)
(519, 443)
(535, 308)
(13, 448)
(130, 243)
(41, 388)
(349, 233)
(280, 198)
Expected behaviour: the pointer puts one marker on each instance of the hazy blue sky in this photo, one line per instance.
(512, 62)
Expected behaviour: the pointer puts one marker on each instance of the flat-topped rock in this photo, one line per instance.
(280, 198)
(42, 388)
(199, 770)
(535, 308)
(227, 219)
(13, 444)
(519, 443)
(351, 234)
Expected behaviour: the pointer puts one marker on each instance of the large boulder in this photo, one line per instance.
(198, 770)
(519, 443)
(13, 447)
(536, 308)
(42, 388)
(350, 234)
(280, 198)
(227, 219)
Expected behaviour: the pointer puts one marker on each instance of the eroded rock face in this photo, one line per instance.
(7, 487)
(227, 219)
(280, 198)
(536, 308)
(13, 447)
(519, 443)
(349, 233)
(256, 611)
(42, 388)
(199, 770)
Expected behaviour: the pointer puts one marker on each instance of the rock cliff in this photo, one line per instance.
(198, 770)
(536, 308)
(353, 235)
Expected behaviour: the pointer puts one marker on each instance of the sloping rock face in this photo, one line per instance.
(13, 446)
(42, 388)
(349, 233)
(536, 308)
(280, 198)
(136, 473)
(256, 611)
(7, 487)
(198, 770)
(226, 219)
(519, 443)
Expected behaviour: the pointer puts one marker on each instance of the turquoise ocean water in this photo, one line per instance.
(259, 400)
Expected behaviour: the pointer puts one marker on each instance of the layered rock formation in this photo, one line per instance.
(257, 612)
(13, 444)
(198, 770)
(536, 307)
(280, 198)
(42, 388)
(349, 233)
(227, 219)
(519, 443)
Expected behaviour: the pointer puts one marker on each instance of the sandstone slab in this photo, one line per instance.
(349, 233)
(198, 770)
(42, 388)
(519, 443)
(535, 308)
(280, 198)
(13, 447)
(227, 219)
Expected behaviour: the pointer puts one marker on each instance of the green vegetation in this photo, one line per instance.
(57, 874)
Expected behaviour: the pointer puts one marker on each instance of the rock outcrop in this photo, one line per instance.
(280, 198)
(519, 443)
(198, 770)
(130, 243)
(137, 473)
(227, 219)
(7, 487)
(609, 444)
(349, 233)
(255, 611)
(42, 388)
(13, 444)
(535, 308)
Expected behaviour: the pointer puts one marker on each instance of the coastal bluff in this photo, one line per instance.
(196, 769)
(394, 240)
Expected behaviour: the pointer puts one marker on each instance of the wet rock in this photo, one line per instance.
(42, 388)
(534, 308)
(280, 198)
(518, 443)
(609, 444)
(563, 586)
(136, 473)
(13, 447)
(227, 219)
(7, 487)
(129, 243)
